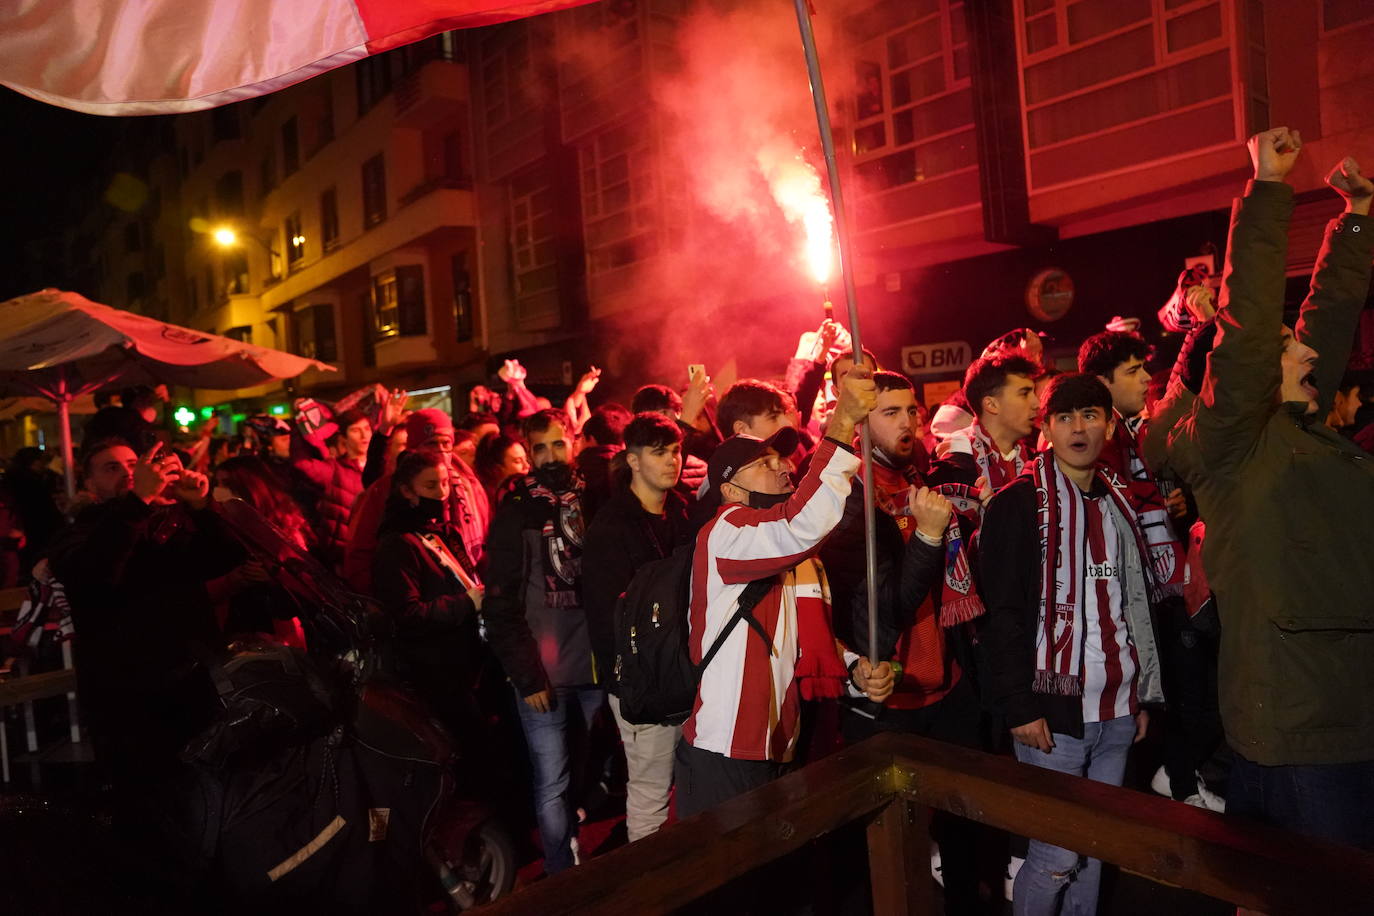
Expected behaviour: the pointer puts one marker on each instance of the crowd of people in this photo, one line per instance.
(1066, 559)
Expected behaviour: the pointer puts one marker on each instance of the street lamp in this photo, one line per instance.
(228, 237)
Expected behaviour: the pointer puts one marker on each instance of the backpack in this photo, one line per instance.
(654, 674)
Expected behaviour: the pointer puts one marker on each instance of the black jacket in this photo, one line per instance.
(907, 573)
(1009, 545)
(623, 538)
(434, 620)
(534, 616)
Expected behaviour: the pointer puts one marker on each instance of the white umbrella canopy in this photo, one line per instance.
(60, 345)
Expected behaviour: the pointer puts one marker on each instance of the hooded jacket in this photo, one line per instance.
(1289, 503)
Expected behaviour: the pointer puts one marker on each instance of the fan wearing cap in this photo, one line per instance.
(744, 723)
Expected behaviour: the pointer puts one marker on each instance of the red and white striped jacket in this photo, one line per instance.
(748, 703)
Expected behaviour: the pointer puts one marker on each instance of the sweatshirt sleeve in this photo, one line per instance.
(750, 544)
(396, 581)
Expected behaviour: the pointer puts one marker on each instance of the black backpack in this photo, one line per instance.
(655, 677)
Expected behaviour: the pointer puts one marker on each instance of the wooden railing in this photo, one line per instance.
(893, 782)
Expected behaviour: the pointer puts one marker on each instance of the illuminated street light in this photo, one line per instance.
(228, 237)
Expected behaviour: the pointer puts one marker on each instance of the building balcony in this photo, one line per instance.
(426, 96)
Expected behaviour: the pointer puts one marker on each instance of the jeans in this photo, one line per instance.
(1333, 801)
(649, 764)
(547, 734)
(1060, 881)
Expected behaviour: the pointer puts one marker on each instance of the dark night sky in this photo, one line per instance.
(44, 149)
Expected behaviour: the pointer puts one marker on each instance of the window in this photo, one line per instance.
(295, 241)
(329, 220)
(1338, 13)
(243, 333)
(373, 77)
(236, 272)
(506, 66)
(267, 175)
(315, 333)
(134, 287)
(229, 194)
(534, 253)
(462, 296)
(398, 302)
(224, 123)
(374, 191)
(618, 199)
(913, 103)
(290, 148)
(133, 237)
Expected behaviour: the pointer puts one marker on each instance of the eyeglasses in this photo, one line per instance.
(773, 462)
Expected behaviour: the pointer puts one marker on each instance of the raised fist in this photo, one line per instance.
(1273, 153)
(1345, 179)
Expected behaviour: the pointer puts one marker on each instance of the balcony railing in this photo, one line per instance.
(892, 782)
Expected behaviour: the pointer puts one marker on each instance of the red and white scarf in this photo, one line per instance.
(1166, 553)
(1066, 603)
(998, 469)
(959, 601)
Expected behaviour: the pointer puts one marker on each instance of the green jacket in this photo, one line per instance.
(1289, 504)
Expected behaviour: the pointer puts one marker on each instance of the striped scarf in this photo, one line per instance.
(1166, 554)
(974, 440)
(1065, 601)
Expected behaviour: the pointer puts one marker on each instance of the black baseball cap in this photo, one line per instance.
(740, 450)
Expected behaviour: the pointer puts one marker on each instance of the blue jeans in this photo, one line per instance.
(1333, 801)
(547, 734)
(1059, 881)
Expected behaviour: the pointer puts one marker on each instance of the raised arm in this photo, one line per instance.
(1240, 391)
(1340, 282)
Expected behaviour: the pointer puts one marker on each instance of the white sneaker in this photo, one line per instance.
(1009, 881)
(1160, 785)
(936, 867)
(1210, 800)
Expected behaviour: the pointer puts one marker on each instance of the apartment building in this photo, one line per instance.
(505, 191)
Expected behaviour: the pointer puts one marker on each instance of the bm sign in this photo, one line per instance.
(937, 358)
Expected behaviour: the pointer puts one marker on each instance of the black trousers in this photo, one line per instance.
(955, 719)
(1192, 721)
(704, 779)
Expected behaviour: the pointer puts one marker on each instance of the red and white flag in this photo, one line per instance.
(137, 57)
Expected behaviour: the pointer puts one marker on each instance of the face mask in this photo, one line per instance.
(430, 509)
(556, 475)
(765, 500)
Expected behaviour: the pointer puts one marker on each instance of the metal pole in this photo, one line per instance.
(813, 67)
(64, 428)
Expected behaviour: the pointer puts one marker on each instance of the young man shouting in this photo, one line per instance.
(1070, 649)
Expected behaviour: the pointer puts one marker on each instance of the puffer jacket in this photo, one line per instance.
(341, 483)
(1289, 504)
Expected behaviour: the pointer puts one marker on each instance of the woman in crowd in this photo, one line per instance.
(499, 458)
(425, 583)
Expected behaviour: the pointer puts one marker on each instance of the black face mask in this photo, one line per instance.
(430, 509)
(556, 475)
(764, 500)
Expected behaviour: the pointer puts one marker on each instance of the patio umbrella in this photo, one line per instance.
(60, 346)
